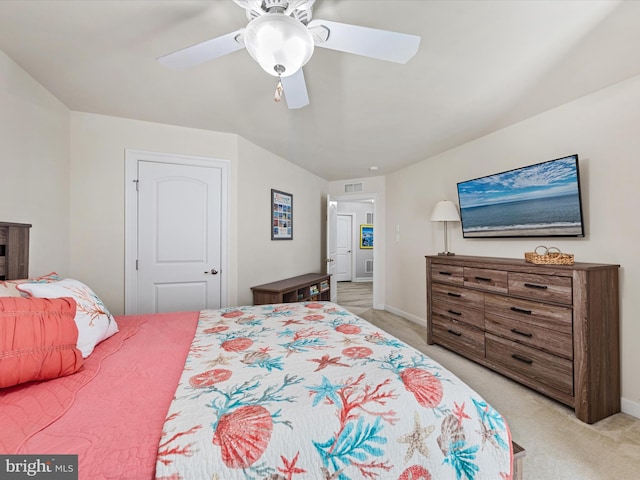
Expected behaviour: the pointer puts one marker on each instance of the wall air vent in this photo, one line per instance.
(368, 266)
(353, 187)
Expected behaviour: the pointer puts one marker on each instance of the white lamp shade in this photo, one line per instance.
(277, 39)
(445, 211)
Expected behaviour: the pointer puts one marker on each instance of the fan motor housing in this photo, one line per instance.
(302, 11)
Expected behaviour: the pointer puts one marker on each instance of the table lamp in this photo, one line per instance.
(445, 211)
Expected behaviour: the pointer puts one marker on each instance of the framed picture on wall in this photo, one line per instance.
(366, 236)
(281, 215)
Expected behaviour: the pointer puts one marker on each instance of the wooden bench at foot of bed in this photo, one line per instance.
(518, 455)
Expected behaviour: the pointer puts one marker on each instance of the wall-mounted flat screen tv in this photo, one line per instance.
(541, 200)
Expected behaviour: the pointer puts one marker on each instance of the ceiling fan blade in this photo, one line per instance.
(295, 90)
(369, 42)
(202, 52)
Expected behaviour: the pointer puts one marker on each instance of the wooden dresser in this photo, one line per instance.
(553, 328)
(303, 288)
(14, 250)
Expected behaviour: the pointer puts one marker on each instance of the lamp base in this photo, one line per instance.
(447, 254)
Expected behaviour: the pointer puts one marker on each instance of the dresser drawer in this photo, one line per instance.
(457, 295)
(552, 317)
(457, 336)
(461, 313)
(447, 274)
(552, 341)
(486, 279)
(541, 287)
(542, 367)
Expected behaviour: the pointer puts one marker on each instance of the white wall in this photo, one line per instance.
(260, 259)
(603, 129)
(98, 145)
(34, 166)
(64, 173)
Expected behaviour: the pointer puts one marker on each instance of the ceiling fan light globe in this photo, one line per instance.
(276, 39)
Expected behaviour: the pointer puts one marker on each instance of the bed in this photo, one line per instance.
(300, 391)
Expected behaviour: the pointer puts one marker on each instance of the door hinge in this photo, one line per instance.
(137, 182)
(136, 264)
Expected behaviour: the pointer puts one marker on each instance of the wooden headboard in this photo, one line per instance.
(14, 250)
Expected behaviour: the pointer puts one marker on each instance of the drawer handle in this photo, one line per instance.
(445, 273)
(453, 332)
(451, 294)
(533, 285)
(483, 279)
(524, 334)
(521, 310)
(528, 361)
(453, 312)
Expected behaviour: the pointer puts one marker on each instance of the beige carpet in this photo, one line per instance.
(558, 446)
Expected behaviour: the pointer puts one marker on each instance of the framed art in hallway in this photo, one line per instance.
(366, 236)
(281, 215)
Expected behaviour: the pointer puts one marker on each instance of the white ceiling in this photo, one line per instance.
(481, 65)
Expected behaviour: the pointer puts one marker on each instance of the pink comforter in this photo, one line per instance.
(115, 436)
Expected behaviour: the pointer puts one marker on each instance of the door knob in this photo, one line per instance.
(213, 271)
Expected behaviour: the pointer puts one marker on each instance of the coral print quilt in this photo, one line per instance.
(308, 391)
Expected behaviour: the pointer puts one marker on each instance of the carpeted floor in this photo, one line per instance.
(558, 446)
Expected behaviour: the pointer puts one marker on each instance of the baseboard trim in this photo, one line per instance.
(630, 408)
(413, 318)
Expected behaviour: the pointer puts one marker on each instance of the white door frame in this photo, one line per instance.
(332, 216)
(378, 279)
(132, 157)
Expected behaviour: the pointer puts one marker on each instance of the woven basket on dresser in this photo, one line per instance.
(551, 256)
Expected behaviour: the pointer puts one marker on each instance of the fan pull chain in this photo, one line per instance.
(279, 90)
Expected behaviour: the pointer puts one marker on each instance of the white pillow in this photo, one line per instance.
(94, 321)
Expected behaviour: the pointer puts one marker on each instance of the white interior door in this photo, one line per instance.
(344, 246)
(332, 220)
(180, 237)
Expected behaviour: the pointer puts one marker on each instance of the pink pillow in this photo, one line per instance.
(93, 319)
(37, 339)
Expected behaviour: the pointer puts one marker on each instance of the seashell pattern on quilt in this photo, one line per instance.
(309, 391)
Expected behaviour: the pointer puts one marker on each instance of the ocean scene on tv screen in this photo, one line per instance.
(538, 200)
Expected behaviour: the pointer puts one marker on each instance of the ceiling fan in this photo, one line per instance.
(281, 37)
